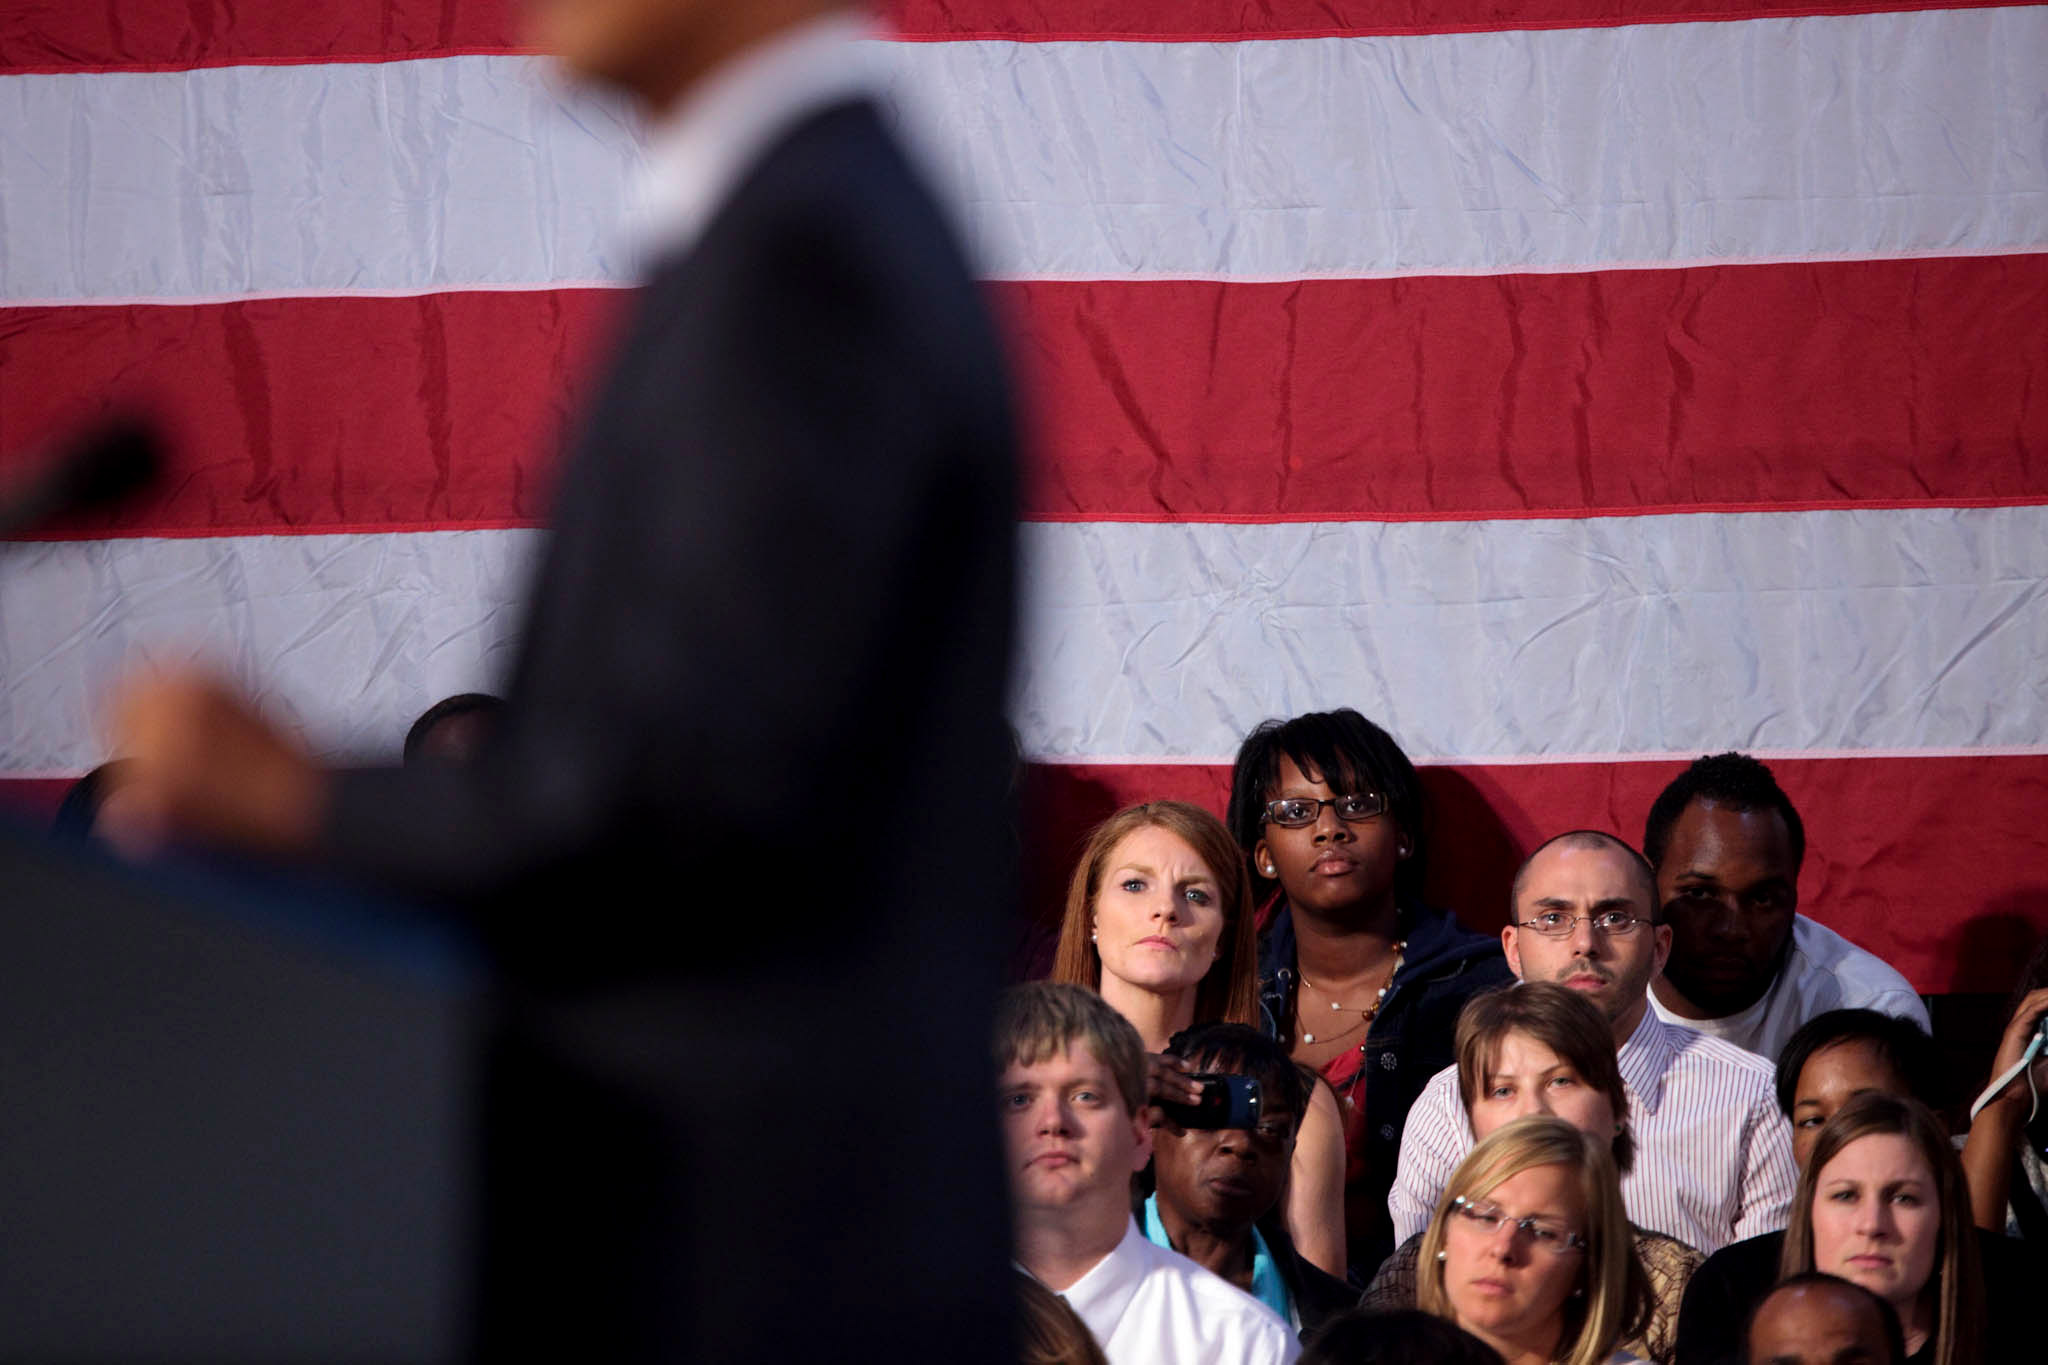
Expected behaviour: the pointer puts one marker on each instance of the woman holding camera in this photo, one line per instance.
(1530, 1249)
(1158, 922)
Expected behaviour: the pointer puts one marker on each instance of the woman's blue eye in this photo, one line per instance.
(1133, 884)
(1197, 895)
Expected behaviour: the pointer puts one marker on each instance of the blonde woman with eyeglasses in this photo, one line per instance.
(1530, 1249)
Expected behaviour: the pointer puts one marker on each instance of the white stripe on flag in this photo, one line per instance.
(344, 639)
(1849, 137)
(1611, 637)
(1795, 632)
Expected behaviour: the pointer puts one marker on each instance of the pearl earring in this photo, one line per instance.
(1443, 1255)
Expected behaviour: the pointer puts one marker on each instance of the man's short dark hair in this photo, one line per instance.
(1902, 1043)
(1351, 754)
(448, 708)
(1244, 1051)
(1887, 1316)
(1733, 780)
(80, 810)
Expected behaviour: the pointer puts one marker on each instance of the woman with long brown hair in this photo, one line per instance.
(1883, 1202)
(1159, 923)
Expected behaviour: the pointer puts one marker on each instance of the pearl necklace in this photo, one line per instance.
(1368, 1013)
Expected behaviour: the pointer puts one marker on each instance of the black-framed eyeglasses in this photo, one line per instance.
(1296, 812)
(1554, 1235)
(1557, 924)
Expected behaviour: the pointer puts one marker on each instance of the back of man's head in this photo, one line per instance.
(1820, 1319)
(1732, 781)
(1042, 1019)
(453, 729)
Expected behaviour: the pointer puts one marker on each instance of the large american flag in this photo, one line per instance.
(1572, 385)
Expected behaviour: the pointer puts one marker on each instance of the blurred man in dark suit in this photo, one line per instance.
(738, 844)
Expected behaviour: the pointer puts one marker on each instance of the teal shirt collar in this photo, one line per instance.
(1267, 1286)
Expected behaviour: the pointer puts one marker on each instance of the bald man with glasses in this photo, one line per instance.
(1713, 1153)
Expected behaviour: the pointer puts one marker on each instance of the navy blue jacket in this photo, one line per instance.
(1444, 965)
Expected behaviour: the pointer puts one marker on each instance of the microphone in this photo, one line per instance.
(98, 469)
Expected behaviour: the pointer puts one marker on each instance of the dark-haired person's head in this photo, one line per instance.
(1726, 844)
(1351, 834)
(79, 813)
(1402, 1336)
(1843, 1053)
(1222, 1180)
(453, 729)
(1542, 1048)
(1820, 1319)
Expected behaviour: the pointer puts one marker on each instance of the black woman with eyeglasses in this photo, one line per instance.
(1530, 1249)
(1358, 978)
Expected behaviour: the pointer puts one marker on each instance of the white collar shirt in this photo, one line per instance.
(1148, 1305)
(697, 152)
(1823, 971)
(1713, 1160)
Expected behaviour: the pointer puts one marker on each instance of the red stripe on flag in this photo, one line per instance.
(32, 801)
(1225, 21)
(438, 411)
(1910, 382)
(1866, 384)
(1910, 857)
(62, 36)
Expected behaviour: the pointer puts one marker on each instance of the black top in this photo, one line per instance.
(1724, 1290)
(1444, 965)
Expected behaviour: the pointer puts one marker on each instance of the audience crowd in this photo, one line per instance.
(1274, 1106)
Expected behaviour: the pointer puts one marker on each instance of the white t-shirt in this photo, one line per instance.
(1823, 972)
(1147, 1305)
